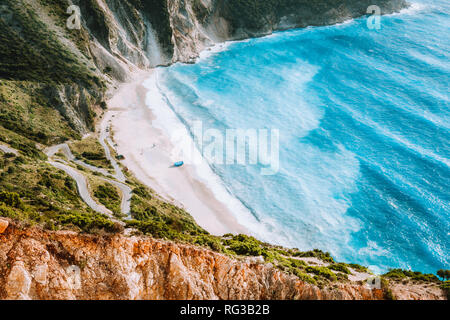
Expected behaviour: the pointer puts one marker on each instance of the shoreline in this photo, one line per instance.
(147, 150)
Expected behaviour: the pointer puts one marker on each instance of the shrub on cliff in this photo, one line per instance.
(88, 222)
(93, 155)
(341, 267)
(446, 287)
(7, 212)
(305, 277)
(11, 199)
(210, 241)
(413, 275)
(156, 229)
(322, 272)
(244, 245)
(316, 253)
(142, 192)
(358, 267)
(109, 197)
(444, 274)
(150, 213)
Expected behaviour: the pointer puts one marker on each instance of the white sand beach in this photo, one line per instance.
(147, 149)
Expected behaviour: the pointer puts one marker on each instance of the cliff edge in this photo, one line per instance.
(37, 264)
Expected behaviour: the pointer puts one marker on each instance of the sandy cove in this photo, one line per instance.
(147, 155)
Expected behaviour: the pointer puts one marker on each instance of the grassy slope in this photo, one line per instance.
(25, 110)
(35, 63)
(90, 151)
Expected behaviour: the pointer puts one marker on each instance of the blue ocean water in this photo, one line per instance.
(364, 122)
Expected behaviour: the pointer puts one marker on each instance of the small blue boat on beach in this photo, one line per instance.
(178, 164)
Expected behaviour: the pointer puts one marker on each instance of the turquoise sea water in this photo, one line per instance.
(364, 122)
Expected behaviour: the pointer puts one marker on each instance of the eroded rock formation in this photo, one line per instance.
(37, 264)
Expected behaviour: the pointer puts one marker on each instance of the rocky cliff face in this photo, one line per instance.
(149, 32)
(36, 264)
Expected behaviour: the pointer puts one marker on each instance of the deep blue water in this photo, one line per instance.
(364, 123)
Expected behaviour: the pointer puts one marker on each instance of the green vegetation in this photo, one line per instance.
(159, 219)
(358, 268)
(316, 253)
(35, 67)
(400, 274)
(388, 295)
(39, 184)
(446, 287)
(11, 199)
(26, 110)
(90, 151)
(322, 272)
(244, 245)
(444, 274)
(43, 58)
(108, 196)
(49, 197)
(305, 277)
(12, 206)
(341, 267)
(89, 222)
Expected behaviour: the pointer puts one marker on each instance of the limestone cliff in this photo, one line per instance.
(146, 33)
(36, 264)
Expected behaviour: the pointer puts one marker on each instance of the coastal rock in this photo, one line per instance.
(18, 282)
(130, 35)
(37, 264)
(3, 225)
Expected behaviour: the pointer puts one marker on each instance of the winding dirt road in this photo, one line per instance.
(82, 187)
(81, 180)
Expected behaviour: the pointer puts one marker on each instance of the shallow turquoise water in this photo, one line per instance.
(364, 123)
